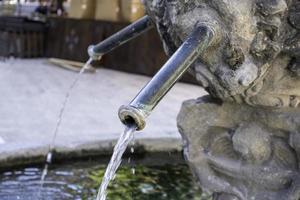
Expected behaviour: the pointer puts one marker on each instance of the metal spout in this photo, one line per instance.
(130, 32)
(202, 37)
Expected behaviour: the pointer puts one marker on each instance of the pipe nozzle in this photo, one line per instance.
(125, 35)
(130, 115)
(94, 55)
(202, 37)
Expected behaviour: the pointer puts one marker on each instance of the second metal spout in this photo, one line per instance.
(128, 33)
(202, 37)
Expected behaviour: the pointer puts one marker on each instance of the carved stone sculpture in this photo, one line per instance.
(242, 152)
(242, 142)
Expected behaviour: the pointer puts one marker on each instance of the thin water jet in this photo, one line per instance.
(49, 155)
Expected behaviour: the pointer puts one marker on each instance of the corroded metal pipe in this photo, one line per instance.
(130, 32)
(202, 37)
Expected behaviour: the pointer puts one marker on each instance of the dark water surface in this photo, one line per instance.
(79, 181)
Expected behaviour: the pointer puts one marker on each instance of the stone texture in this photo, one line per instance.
(259, 42)
(245, 144)
(242, 152)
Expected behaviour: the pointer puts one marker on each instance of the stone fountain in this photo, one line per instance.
(243, 140)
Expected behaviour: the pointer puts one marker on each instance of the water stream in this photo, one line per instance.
(58, 124)
(126, 137)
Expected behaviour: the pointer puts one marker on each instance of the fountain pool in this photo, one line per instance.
(80, 181)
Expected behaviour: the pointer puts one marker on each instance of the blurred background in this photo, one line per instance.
(65, 28)
(43, 45)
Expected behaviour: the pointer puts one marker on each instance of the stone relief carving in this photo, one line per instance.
(241, 152)
(242, 142)
(260, 39)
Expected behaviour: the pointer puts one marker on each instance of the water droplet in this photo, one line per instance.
(49, 158)
(133, 171)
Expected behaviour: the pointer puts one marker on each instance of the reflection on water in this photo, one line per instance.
(79, 181)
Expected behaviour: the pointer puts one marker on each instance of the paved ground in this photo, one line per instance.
(32, 93)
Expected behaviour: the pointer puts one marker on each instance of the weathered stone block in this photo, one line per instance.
(246, 144)
(242, 152)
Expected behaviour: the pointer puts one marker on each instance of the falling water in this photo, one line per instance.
(132, 150)
(126, 137)
(58, 124)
